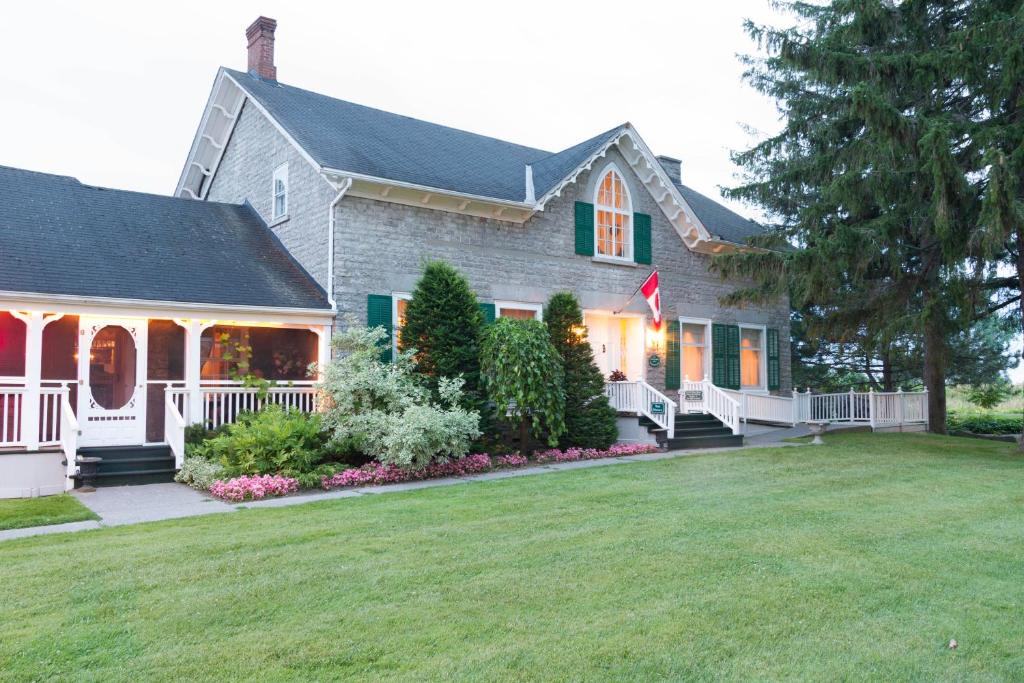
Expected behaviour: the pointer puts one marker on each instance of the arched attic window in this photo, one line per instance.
(613, 217)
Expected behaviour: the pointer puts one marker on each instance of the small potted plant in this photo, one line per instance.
(617, 376)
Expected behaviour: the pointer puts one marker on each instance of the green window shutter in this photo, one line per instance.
(642, 238)
(733, 351)
(488, 311)
(378, 314)
(773, 359)
(725, 356)
(584, 228)
(719, 357)
(672, 360)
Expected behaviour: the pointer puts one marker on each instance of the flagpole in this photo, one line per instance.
(634, 292)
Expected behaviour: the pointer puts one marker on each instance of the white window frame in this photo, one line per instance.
(536, 308)
(708, 357)
(762, 374)
(280, 173)
(395, 298)
(627, 256)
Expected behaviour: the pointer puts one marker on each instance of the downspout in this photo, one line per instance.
(346, 184)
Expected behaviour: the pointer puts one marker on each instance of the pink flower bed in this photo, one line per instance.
(512, 460)
(376, 473)
(253, 487)
(573, 454)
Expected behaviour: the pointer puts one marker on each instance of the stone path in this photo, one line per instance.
(120, 505)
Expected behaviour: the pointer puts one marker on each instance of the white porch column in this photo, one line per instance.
(193, 398)
(323, 349)
(33, 377)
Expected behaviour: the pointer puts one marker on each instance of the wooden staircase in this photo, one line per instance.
(695, 430)
(130, 465)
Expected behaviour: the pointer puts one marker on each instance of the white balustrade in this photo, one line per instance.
(69, 432)
(640, 398)
(12, 399)
(174, 424)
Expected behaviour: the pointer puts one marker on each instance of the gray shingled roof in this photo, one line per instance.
(721, 222)
(59, 236)
(350, 137)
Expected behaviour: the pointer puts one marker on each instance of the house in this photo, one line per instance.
(295, 209)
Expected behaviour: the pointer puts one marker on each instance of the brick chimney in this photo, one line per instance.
(673, 168)
(261, 48)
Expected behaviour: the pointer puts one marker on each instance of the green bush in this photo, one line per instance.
(271, 441)
(589, 419)
(385, 410)
(200, 473)
(442, 327)
(988, 396)
(981, 423)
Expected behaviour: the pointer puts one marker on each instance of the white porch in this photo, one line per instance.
(74, 374)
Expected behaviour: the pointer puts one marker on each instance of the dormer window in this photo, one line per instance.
(613, 217)
(280, 191)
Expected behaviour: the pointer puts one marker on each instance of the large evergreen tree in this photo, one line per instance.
(870, 177)
(443, 323)
(589, 419)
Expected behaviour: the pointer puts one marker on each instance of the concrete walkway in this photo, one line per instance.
(120, 505)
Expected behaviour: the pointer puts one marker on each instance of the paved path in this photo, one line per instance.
(120, 505)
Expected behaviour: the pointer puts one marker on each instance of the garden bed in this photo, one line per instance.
(257, 487)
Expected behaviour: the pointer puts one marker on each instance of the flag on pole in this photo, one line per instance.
(650, 291)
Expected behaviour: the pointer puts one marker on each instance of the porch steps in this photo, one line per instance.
(695, 430)
(130, 465)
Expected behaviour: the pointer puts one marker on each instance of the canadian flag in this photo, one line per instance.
(650, 291)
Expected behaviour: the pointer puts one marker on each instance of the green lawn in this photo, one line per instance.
(857, 560)
(18, 513)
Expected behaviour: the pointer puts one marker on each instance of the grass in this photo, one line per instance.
(858, 560)
(18, 513)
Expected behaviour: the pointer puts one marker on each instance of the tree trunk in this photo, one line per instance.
(935, 368)
(887, 371)
(1020, 287)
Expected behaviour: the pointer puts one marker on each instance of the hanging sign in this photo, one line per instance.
(654, 361)
(657, 408)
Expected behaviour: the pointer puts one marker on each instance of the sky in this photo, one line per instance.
(112, 92)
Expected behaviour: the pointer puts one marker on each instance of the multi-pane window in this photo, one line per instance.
(281, 191)
(518, 311)
(693, 343)
(751, 352)
(613, 220)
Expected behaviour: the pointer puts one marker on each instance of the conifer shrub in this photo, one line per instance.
(589, 419)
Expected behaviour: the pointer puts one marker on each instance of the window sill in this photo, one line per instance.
(278, 221)
(612, 261)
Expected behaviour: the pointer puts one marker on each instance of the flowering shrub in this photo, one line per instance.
(512, 460)
(572, 454)
(384, 411)
(253, 487)
(379, 473)
(199, 473)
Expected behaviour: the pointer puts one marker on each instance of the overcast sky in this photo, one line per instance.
(112, 92)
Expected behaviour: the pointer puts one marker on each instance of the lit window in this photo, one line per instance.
(398, 321)
(692, 341)
(519, 311)
(613, 217)
(281, 191)
(750, 358)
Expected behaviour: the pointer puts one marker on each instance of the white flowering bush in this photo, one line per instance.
(384, 410)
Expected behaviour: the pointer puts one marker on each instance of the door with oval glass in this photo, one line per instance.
(112, 381)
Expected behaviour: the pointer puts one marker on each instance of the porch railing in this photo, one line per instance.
(641, 398)
(15, 430)
(69, 431)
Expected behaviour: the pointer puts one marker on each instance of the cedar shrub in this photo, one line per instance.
(589, 419)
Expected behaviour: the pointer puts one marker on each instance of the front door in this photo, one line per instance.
(617, 343)
(112, 381)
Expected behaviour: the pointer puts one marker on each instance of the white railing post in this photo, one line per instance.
(924, 407)
(871, 407)
(174, 428)
(69, 433)
(852, 413)
(899, 406)
(33, 378)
